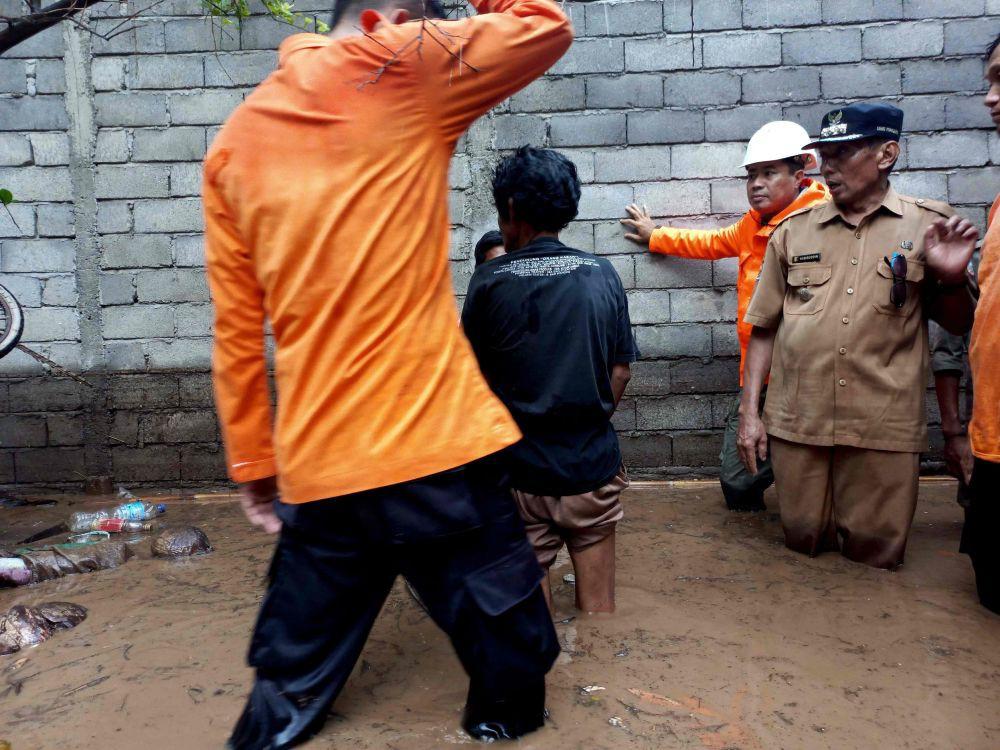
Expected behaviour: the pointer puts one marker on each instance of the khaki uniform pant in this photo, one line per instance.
(853, 499)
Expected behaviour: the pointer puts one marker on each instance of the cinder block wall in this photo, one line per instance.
(102, 141)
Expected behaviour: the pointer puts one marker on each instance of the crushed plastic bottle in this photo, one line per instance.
(119, 525)
(86, 521)
(125, 494)
(139, 511)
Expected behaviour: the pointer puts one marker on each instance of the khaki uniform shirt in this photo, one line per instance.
(849, 367)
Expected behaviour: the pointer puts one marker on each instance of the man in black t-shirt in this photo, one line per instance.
(550, 327)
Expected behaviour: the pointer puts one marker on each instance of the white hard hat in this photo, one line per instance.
(779, 139)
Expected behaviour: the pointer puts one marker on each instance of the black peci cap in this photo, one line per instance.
(862, 120)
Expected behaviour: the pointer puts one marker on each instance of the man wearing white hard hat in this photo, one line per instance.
(776, 162)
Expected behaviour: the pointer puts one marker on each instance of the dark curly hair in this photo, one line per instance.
(543, 184)
(487, 242)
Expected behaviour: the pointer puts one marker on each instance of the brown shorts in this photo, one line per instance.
(577, 520)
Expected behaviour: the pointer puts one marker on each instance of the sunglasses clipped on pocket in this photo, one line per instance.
(897, 294)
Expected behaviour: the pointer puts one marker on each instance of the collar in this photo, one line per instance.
(890, 202)
(301, 41)
(812, 192)
(542, 244)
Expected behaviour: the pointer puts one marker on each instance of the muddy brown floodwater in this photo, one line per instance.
(723, 639)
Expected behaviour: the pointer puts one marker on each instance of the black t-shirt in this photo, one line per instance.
(547, 324)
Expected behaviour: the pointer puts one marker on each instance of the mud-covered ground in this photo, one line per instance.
(722, 640)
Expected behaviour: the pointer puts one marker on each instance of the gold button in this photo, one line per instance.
(842, 381)
(854, 261)
(805, 280)
(843, 350)
(850, 291)
(858, 234)
(846, 319)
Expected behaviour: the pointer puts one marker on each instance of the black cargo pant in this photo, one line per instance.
(459, 541)
(981, 530)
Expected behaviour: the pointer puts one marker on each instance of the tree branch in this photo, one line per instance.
(27, 26)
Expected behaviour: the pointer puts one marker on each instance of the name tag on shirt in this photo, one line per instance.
(810, 258)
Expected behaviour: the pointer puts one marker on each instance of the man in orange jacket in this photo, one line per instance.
(326, 213)
(776, 162)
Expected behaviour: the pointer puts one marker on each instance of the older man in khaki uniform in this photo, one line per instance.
(840, 314)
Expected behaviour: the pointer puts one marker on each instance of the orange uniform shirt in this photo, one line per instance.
(326, 211)
(746, 240)
(984, 348)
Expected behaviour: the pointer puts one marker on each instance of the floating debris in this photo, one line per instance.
(181, 541)
(587, 690)
(617, 721)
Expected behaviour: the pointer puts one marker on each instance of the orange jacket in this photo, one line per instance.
(984, 347)
(746, 239)
(326, 211)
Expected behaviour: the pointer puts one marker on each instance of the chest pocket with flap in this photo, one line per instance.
(807, 289)
(883, 288)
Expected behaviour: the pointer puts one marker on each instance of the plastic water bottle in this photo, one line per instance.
(86, 521)
(139, 511)
(119, 525)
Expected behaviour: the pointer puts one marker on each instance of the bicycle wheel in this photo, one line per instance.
(11, 321)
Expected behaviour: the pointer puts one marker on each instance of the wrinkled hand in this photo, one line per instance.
(641, 224)
(958, 457)
(751, 440)
(948, 247)
(257, 499)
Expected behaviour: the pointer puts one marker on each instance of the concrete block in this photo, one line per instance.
(623, 19)
(906, 39)
(48, 43)
(199, 35)
(725, 272)
(717, 14)
(239, 68)
(739, 123)
(702, 306)
(927, 76)
(699, 160)
(196, 390)
(50, 77)
(663, 272)
(49, 149)
(26, 289)
(683, 89)
(741, 50)
(649, 307)
(46, 394)
(124, 356)
(933, 185)
(144, 37)
(132, 181)
(632, 164)
(668, 341)
(714, 376)
(678, 15)
(138, 321)
(112, 147)
(33, 113)
(968, 37)
(179, 427)
(193, 320)
(175, 215)
(263, 32)
(645, 450)
(869, 79)
(37, 256)
(133, 391)
(135, 251)
(697, 449)
(513, 131)
(151, 463)
(52, 324)
(49, 465)
(189, 250)
(117, 289)
(204, 463)
(15, 150)
(65, 429)
(587, 130)
(179, 354)
(848, 11)
(627, 91)
(579, 235)
(60, 291)
(921, 113)
(23, 224)
(808, 116)
(966, 111)
(818, 46)
(725, 340)
(204, 107)
(56, 220)
(604, 201)
(592, 56)
(177, 285)
(729, 196)
(954, 8)
(129, 108)
(550, 95)
(974, 185)
(459, 174)
(461, 274)
(624, 416)
(625, 268)
(13, 77)
(678, 197)
(781, 84)
(669, 53)
(114, 216)
(609, 238)
(665, 126)
(767, 14)
(674, 413)
(960, 149)
(108, 73)
(185, 179)
(583, 160)
(649, 379)
(166, 72)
